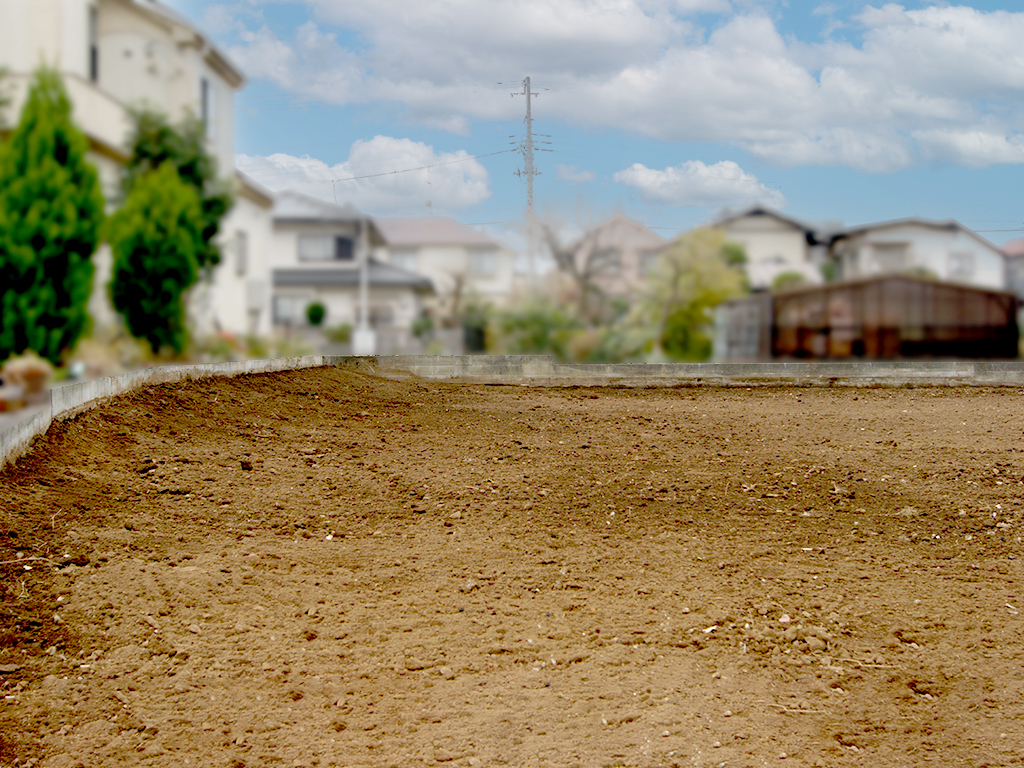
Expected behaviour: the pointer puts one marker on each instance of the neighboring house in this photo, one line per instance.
(942, 250)
(1013, 255)
(774, 244)
(462, 263)
(1013, 261)
(318, 252)
(117, 54)
(618, 255)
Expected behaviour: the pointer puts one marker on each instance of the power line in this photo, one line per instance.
(424, 167)
(383, 173)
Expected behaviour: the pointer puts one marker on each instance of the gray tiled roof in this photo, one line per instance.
(295, 206)
(381, 276)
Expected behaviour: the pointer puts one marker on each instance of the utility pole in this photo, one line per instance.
(527, 149)
(364, 340)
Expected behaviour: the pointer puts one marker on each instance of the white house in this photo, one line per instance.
(116, 54)
(945, 250)
(774, 244)
(461, 262)
(319, 250)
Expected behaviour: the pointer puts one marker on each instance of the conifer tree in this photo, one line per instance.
(51, 210)
(155, 141)
(156, 240)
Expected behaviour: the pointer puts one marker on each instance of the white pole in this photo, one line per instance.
(364, 340)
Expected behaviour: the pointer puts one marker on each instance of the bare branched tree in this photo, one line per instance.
(582, 261)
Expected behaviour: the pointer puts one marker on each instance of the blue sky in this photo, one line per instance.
(668, 110)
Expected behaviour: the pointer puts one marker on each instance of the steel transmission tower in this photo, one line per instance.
(527, 149)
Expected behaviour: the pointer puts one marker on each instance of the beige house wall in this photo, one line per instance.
(146, 57)
(766, 239)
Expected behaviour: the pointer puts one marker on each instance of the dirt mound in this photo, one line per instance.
(325, 568)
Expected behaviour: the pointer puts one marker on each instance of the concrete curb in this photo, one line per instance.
(71, 399)
(539, 370)
(530, 370)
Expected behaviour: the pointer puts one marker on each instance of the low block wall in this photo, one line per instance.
(528, 370)
(540, 370)
(71, 399)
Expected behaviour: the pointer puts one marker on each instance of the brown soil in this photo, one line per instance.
(324, 568)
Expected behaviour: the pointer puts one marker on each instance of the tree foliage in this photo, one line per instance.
(155, 141)
(315, 313)
(536, 327)
(51, 211)
(5, 97)
(156, 241)
(788, 279)
(696, 273)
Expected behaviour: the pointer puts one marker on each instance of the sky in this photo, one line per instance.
(669, 111)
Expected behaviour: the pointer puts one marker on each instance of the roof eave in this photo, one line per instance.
(211, 53)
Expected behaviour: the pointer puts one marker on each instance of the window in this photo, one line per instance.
(326, 248)
(208, 106)
(404, 259)
(288, 310)
(344, 249)
(483, 263)
(961, 265)
(94, 45)
(241, 253)
(316, 248)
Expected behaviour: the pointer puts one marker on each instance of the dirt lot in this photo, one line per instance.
(324, 568)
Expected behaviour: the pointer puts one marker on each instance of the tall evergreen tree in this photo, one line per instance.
(155, 141)
(51, 210)
(155, 237)
(5, 97)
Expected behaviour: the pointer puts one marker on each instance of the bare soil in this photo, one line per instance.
(325, 568)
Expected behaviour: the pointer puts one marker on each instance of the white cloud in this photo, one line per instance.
(693, 183)
(972, 147)
(645, 66)
(223, 18)
(573, 174)
(455, 180)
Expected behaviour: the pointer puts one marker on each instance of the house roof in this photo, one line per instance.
(839, 285)
(291, 207)
(761, 210)
(949, 225)
(621, 230)
(430, 230)
(380, 276)
(1013, 249)
(217, 59)
(296, 207)
(255, 191)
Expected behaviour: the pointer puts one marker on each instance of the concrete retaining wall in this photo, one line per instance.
(529, 370)
(70, 399)
(539, 370)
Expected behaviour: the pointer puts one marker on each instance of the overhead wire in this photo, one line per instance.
(382, 173)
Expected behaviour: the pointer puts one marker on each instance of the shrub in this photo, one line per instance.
(155, 238)
(315, 313)
(51, 211)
